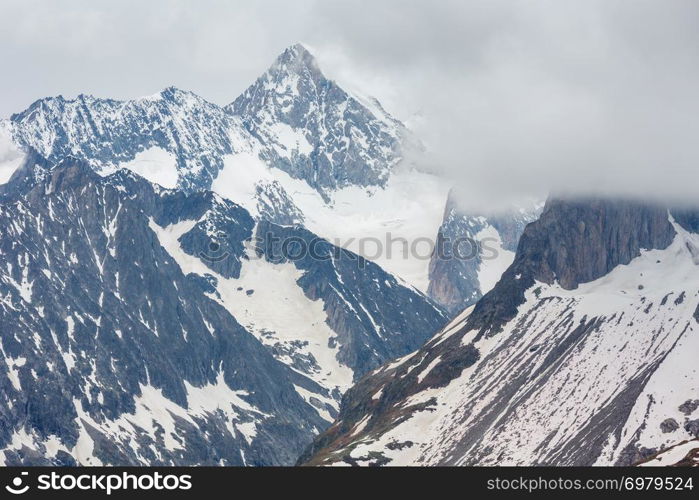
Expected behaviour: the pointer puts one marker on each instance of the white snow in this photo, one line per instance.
(593, 373)
(394, 227)
(11, 157)
(12, 365)
(155, 165)
(294, 318)
(308, 396)
(290, 140)
(360, 426)
(672, 455)
(428, 369)
(495, 261)
(239, 177)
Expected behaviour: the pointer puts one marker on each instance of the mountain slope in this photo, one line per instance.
(159, 317)
(111, 354)
(577, 356)
(476, 248)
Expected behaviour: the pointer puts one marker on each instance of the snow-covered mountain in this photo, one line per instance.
(314, 130)
(295, 148)
(174, 138)
(293, 118)
(148, 326)
(582, 354)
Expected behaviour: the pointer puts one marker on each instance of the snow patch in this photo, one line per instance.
(155, 165)
(11, 157)
(389, 226)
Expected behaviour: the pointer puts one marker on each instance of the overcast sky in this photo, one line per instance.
(514, 97)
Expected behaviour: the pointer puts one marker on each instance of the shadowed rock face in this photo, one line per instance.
(578, 242)
(454, 282)
(546, 344)
(573, 242)
(687, 218)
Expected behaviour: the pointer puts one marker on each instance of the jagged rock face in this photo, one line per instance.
(174, 131)
(126, 337)
(541, 373)
(476, 250)
(314, 130)
(581, 241)
(574, 242)
(111, 354)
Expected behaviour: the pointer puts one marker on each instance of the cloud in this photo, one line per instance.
(521, 98)
(513, 98)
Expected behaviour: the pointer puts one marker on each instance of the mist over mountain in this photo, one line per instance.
(372, 233)
(511, 100)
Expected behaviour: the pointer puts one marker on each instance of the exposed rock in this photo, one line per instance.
(669, 425)
(692, 426)
(606, 234)
(314, 130)
(632, 455)
(463, 251)
(689, 406)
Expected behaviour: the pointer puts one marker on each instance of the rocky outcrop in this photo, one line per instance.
(669, 425)
(573, 242)
(470, 247)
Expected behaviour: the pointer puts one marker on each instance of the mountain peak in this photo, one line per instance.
(175, 95)
(300, 50)
(314, 130)
(296, 59)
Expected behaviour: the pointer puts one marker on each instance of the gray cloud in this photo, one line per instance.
(512, 98)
